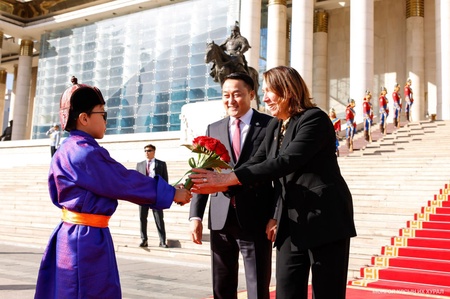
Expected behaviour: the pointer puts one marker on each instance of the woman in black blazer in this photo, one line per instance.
(313, 222)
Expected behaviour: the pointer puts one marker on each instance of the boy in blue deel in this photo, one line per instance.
(85, 183)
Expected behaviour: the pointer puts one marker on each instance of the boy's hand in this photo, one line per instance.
(182, 196)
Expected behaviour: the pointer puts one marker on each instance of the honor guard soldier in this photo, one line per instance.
(397, 104)
(351, 125)
(408, 98)
(384, 109)
(337, 127)
(368, 116)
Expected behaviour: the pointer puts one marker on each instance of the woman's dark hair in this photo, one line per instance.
(287, 83)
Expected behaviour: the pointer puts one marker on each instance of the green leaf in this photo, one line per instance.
(192, 163)
(187, 172)
(188, 184)
(189, 146)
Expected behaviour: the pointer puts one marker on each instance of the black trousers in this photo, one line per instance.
(256, 251)
(159, 220)
(52, 150)
(328, 264)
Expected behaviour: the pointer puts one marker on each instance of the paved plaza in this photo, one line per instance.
(154, 278)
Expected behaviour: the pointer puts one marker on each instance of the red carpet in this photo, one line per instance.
(366, 293)
(418, 260)
(415, 265)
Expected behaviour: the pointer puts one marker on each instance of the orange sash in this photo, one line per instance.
(85, 219)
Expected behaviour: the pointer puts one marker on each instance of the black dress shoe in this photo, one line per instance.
(143, 244)
(163, 245)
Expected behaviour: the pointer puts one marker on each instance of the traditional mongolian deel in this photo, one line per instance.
(85, 182)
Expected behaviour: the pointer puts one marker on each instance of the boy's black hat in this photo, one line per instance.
(76, 99)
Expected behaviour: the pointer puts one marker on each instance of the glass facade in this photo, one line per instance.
(147, 65)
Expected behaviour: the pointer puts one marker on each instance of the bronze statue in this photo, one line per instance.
(236, 45)
(228, 58)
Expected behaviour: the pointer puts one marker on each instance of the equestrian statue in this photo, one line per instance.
(228, 58)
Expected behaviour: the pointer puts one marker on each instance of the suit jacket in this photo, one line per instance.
(314, 203)
(160, 168)
(254, 206)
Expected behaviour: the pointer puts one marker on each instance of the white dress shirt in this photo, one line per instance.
(244, 125)
(151, 168)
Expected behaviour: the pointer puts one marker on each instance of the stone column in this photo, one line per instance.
(1, 47)
(2, 97)
(302, 39)
(29, 129)
(415, 55)
(13, 93)
(442, 10)
(361, 52)
(320, 60)
(250, 26)
(276, 33)
(22, 98)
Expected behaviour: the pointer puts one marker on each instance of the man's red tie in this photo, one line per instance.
(237, 139)
(236, 149)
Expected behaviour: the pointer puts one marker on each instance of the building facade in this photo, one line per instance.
(150, 63)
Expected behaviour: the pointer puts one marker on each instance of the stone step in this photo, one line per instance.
(388, 189)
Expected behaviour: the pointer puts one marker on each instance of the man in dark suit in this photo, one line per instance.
(151, 167)
(238, 223)
(314, 213)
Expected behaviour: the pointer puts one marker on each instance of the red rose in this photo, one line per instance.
(211, 144)
(212, 154)
(225, 157)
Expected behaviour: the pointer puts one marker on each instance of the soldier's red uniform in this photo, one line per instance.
(368, 116)
(351, 124)
(384, 109)
(408, 98)
(396, 98)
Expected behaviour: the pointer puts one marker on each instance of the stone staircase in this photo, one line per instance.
(27, 216)
(390, 179)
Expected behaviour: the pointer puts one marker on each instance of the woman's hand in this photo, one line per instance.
(207, 182)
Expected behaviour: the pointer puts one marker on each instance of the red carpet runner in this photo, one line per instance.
(418, 260)
(358, 293)
(415, 265)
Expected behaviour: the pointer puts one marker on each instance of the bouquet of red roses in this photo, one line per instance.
(211, 154)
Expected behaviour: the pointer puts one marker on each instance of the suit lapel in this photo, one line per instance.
(289, 135)
(276, 137)
(253, 132)
(142, 167)
(224, 137)
(156, 167)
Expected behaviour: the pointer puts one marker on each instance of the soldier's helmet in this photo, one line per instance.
(235, 28)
